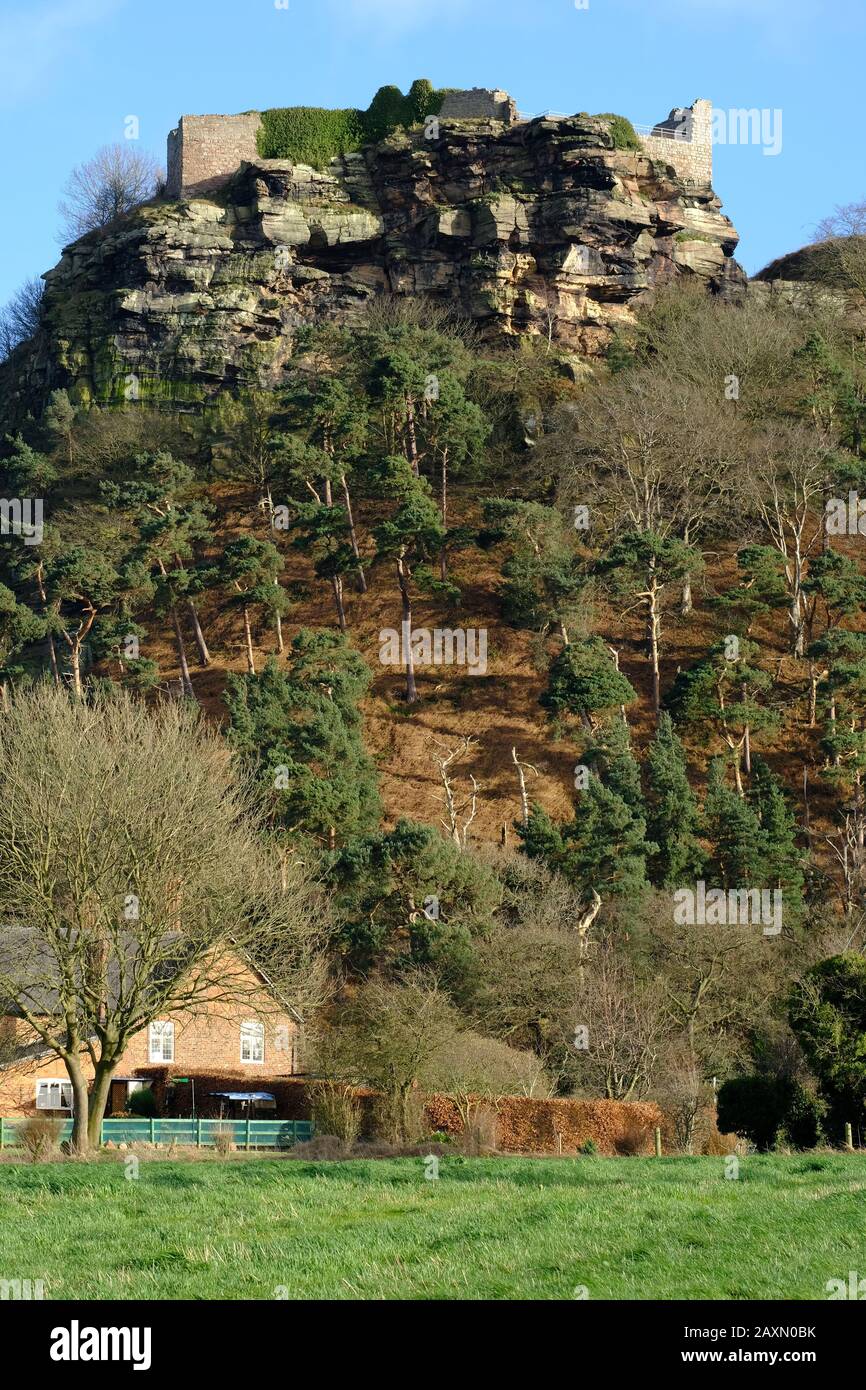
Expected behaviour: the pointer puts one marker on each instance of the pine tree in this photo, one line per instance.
(604, 848)
(542, 574)
(300, 731)
(740, 848)
(784, 865)
(673, 817)
(584, 681)
(644, 565)
(19, 626)
(249, 572)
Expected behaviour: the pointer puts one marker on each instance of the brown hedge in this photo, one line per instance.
(535, 1126)
(524, 1125)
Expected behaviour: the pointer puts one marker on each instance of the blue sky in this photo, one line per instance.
(71, 71)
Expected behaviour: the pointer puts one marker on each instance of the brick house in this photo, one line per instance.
(249, 1046)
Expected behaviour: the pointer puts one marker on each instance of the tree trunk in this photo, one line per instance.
(278, 623)
(99, 1093)
(686, 599)
(406, 630)
(337, 587)
(443, 506)
(747, 750)
(203, 653)
(411, 437)
(248, 638)
(362, 579)
(653, 635)
(185, 681)
(80, 1141)
(75, 664)
(52, 650)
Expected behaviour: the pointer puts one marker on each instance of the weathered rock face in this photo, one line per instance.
(543, 228)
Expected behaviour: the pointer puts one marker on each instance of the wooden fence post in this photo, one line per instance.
(198, 1132)
(849, 1137)
(658, 1138)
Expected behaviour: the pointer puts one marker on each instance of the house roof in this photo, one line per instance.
(26, 955)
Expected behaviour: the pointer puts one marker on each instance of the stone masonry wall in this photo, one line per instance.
(692, 158)
(478, 103)
(206, 150)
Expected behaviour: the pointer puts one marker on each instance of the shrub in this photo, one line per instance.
(481, 1134)
(636, 1138)
(624, 134)
(589, 1148)
(223, 1139)
(322, 1146)
(827, 1013)
(310, 134)
(315, 135)
(143, 1103)
(40, 1137)
(760, 1107)
(336, 1109)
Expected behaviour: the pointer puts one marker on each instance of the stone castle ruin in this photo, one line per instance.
(205, 151)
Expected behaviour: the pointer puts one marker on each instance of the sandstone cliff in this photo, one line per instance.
(542, 228)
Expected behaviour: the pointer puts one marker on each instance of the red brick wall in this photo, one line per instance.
(206, 1042)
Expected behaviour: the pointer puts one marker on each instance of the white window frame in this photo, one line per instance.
(63, 1086)
(156, 1041)
(253, 1033)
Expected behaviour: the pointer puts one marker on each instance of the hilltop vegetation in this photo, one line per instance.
(315, 135)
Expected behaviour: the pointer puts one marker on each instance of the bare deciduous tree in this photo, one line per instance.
(454, 808)
(625, 1019)
(134, 883)
(113, 182)
(843, 239)
(19, 318)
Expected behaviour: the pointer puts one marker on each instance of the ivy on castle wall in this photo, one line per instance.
(315, 135)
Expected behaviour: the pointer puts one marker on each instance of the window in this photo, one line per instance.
(252, 1042)
(162, 1041)
(54, 1095)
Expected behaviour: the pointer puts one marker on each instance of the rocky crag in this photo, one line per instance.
(546, 227)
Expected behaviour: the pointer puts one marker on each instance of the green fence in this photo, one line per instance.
(200, 1134)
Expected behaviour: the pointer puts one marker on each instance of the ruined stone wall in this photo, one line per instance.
(478, 103)
(206, 150)
(691, 157)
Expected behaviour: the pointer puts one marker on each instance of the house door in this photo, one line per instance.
(117, 1097)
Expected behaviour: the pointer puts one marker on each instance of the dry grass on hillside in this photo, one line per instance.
(499, 709)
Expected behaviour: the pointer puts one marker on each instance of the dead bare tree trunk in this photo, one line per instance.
(524, 799)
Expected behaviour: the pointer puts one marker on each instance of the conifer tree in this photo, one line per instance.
(604, 848)
(784, 862)
(643, 565)
(672, 811)
(19, 626)
(300, 730)
(584, 681)
(730, 691)
(739, 845)
(249, 572)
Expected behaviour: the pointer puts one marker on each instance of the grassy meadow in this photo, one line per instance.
(503, 1228)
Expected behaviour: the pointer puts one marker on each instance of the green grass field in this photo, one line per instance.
(487, 1228)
